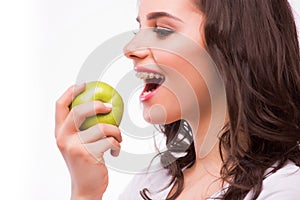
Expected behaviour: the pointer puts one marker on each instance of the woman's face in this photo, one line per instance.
(174, 88)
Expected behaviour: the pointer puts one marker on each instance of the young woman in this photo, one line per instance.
(256, 155)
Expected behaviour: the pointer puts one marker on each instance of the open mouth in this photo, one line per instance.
(152, 82)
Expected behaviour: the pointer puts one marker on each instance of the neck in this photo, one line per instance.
(206, 142)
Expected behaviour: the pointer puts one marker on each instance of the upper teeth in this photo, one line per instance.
(147, 75)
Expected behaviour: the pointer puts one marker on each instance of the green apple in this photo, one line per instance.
(101, 91)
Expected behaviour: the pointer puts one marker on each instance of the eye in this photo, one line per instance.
(163, 32)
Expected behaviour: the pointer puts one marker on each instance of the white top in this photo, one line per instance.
(282, 185)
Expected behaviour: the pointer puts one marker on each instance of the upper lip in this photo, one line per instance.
(145, 69)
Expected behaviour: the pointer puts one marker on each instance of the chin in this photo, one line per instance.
(157, 114)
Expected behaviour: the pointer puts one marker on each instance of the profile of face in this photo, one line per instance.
(162, 52)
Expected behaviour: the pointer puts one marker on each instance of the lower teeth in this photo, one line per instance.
(147, 92)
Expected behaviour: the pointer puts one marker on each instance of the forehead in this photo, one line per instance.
(179, 8)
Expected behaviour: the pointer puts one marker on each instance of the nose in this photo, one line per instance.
(137, 54)
(135, 50)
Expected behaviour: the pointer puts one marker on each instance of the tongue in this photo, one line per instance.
(150, 87)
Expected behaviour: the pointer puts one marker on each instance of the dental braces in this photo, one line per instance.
(146, 75)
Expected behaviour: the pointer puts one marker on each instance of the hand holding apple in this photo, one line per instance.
(83, 154)
(101, 91)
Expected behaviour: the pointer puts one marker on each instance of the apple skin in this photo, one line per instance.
(105, 93)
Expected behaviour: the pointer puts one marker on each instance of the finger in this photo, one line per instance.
(98, 148)
(115, 153)
(62, 104)
(80, 112)
(100, 131)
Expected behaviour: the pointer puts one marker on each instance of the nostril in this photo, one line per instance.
(130, 54)
(134, 55)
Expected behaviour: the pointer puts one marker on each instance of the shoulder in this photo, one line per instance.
(155, 181)
(283, 184)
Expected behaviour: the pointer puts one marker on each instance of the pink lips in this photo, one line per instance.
(144, 69)
(146, 96)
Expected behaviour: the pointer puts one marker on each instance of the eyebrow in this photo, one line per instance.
(156, 15)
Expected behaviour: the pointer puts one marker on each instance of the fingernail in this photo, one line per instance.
(115, 153)
(108, 105)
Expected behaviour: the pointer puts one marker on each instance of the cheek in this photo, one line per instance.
(184, 83)
(183, 79)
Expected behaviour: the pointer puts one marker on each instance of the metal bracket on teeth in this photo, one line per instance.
(145, 75)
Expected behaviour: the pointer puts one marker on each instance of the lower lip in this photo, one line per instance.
(146, 97)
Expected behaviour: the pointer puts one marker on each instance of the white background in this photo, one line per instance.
(43, 45)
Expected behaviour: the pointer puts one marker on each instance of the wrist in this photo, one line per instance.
(76, 195)
(86, 197)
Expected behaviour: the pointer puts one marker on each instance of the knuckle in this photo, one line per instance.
(98, 106)
(58, 103)
(76, 112)
(103, 128)
(70, 147)
(118, 131)
(70, 89)
(109, 129)
(112, 131)
(74, 150)
(60, 142)
(113, 142)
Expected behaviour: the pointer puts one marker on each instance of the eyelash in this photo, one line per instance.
(160, 31)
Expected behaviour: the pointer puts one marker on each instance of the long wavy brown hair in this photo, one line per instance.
(255, 47)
